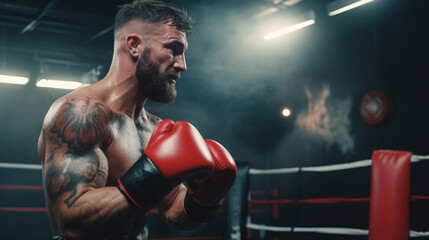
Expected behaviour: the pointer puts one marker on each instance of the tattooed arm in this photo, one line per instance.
(75, 172)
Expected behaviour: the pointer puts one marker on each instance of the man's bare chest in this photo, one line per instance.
(128, 140)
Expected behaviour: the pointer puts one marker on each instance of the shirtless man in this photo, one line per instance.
(106, 161)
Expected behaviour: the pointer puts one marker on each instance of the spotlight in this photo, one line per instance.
(286, 112)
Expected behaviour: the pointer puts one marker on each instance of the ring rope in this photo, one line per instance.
(253, 171)
(327, 168)
(326, 230)
(21, 166)
(310, 201)
(324, 200)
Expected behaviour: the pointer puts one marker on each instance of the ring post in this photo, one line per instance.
(236, 204)
(389, 214)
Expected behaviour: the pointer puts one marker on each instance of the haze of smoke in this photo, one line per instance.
(329, 121)
(228, 58)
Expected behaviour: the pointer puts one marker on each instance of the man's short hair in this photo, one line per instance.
(153, 11)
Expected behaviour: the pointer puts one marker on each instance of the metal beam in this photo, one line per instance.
(101, 33)
(78, 55)
(44, 29)
(18, 8)
(51, 26)
(63, 62)
(31, 26)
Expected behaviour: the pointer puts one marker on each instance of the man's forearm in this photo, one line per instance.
(96, 213)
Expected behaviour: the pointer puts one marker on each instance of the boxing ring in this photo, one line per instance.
(247, 214)
(389, 200)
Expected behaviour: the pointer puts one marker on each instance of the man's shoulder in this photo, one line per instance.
(79, 120)
(78, 108)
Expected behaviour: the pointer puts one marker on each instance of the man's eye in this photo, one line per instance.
(173, 49)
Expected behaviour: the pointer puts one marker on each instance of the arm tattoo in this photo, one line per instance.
(53, 146)
(75, 170)
(81, 123)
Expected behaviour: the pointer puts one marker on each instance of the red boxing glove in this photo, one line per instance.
(204, 197)
(175, 152)
(179, 152)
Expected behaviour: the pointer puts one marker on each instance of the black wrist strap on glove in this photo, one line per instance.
(143, 184)
(197, 212)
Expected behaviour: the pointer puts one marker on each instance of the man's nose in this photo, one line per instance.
(180, 63)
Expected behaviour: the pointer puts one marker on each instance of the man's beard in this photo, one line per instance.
(153, 84)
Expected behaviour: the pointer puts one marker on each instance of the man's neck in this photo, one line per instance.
(123, 94)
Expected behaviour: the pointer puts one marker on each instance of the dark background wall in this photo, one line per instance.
(234, 91)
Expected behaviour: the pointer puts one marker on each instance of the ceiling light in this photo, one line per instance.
(288, 29)
(338, 7)
(13, 79)
(60, 84)
(265, 12)
(291, 2)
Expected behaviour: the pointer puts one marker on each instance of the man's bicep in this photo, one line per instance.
(74, 162)
(69, 175)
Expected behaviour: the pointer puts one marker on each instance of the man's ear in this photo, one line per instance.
(135, 45)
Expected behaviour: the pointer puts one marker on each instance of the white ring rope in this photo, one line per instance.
(21, 166)
(417, 158)
(327, 168)
(252, 171)
(335, 167)
(326, 230)
(267, 228)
